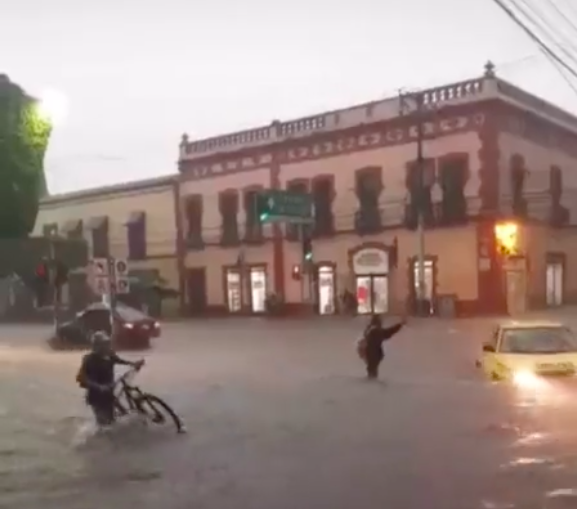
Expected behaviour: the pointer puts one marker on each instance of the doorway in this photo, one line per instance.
(554, 284)
(516, 292)
(258, 289)
(326, 290)
(196, 290)
(429, 280)
(233, 290)
(372, 294)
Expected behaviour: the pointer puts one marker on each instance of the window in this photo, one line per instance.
(73, 229)
(98, 227)
(228, 202)
(253, 226)
(293, 231)
(420, 199)
(323, 190)
(452, 178)
(559, 215)
(517, 174)
(136, 232)
(193, 212)
(369, 186)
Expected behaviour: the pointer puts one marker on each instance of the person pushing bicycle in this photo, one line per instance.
(96, 375)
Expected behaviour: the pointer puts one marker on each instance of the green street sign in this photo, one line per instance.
(284, 206)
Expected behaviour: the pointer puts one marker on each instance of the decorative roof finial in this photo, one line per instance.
(184, 140)
(489, 70)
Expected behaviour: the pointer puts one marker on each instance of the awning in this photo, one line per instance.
(96, 222)
(72, 225)
(135, 217)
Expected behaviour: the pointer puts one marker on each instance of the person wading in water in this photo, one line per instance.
(371, 345)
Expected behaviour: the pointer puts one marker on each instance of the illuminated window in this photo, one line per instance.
(507, 237)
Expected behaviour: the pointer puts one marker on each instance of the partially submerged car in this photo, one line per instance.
(133, 328)
(527, 352)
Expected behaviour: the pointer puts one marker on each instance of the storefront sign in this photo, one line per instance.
(371, 261)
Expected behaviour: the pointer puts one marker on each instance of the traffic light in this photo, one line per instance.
(296, 272)
(307, 249)
(42, 272)
(41, 283)
(263, 207)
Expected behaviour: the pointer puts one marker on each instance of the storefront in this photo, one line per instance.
(246, 289)
(326, 294)
(370, 267)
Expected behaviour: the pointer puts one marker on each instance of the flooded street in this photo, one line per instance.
(279, 416)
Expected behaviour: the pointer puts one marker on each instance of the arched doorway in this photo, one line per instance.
(370, 267)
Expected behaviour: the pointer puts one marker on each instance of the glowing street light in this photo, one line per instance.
(53, 107)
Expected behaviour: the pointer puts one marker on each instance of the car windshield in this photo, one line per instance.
(538, 340)
(130, 314)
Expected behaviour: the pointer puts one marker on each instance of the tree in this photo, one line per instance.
(24, 136)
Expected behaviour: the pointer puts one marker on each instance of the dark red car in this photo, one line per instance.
(134, 330)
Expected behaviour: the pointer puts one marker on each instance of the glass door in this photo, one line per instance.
(380, 294)
(326, 291)
(233, 291)
(554, 284)
(364, 295)
(258, 290)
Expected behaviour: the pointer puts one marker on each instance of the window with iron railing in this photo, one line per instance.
(369, 185)
(322, 194)
(253, 227)
(228, 204)
(193, 213)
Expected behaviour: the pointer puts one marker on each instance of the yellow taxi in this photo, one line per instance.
(527, 353)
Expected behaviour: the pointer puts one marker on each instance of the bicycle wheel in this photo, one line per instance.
(158, 411)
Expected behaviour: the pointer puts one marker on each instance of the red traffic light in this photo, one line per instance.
(41, 270)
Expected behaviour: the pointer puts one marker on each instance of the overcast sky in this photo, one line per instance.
(137, 74)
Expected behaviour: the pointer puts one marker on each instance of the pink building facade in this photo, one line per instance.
(493, 153)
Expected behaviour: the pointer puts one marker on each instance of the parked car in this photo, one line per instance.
(133, 328)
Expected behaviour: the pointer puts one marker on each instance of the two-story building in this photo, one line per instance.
(135, 221)
(498, 175)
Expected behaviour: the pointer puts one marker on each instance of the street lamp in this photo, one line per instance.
(52, 107)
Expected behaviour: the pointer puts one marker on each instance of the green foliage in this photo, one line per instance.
(24, 137)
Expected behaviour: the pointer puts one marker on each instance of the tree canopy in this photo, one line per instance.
(24, 137)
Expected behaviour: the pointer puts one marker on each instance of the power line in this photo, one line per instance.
(535, 38)
(542, 23)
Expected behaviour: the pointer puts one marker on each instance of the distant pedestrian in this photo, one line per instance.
(370, 346)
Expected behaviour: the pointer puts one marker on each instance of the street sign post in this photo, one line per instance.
(275, 206)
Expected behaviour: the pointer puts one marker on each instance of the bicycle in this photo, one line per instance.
(153, 408)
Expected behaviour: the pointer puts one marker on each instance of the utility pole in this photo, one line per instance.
(53, 275)
(421, 294)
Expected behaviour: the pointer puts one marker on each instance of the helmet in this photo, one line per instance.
(100, 337)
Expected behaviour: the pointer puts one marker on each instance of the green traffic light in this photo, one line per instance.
(309, 256)
(264, 216)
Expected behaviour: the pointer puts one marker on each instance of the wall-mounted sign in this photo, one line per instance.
(371, 261)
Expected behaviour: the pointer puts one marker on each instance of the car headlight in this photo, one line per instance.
(128, 326)
(527, 379)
